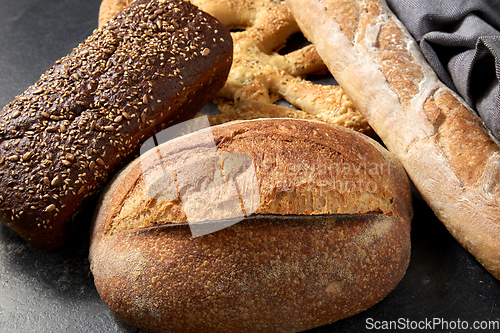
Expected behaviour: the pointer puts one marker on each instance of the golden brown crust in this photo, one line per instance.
(63, 138)
(260, 75)
(311, 254)
(461, 136)
(448, 153)
(262, 275)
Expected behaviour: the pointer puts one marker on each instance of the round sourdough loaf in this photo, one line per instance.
(327, 237)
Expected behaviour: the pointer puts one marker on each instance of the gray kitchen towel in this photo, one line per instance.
(461, 41)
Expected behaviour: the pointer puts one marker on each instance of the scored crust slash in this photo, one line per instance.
(65, 136)
(260, 75)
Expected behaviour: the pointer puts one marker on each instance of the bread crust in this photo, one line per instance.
(156, 63)
(301, 261)
(447, 151)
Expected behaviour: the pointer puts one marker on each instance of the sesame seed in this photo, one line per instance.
(50, 208)
(28, 155)
(54, 181)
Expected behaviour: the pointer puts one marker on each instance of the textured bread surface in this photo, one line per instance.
(329, 237)
(156, 63)
(263, 73)
(448, 153)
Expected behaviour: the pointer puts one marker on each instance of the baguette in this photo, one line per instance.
(156, 63)
(329, 235)
(450, 156)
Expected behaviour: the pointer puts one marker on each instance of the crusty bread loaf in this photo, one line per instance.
(156, 63)
(448, 153)
(329, 236)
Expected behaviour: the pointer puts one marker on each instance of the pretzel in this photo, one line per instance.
(260, 76)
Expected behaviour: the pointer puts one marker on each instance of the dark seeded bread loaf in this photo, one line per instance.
(156, 63)
(329, 236)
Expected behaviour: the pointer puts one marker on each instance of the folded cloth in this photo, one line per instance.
(461, 41)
